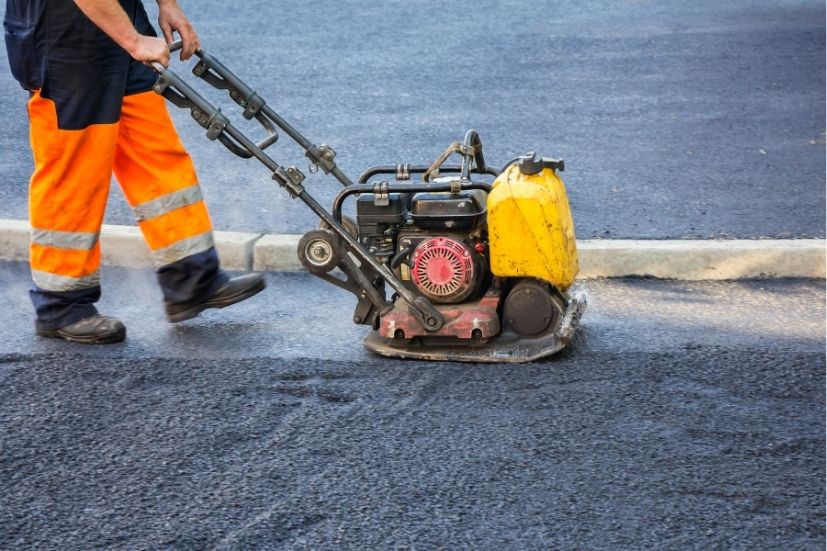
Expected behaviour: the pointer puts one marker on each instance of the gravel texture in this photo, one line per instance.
(686, 416)
(705, 448)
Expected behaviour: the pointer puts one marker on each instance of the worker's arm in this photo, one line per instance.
(171, 18)
(110, 17)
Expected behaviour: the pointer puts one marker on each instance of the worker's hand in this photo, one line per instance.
(149, 49)
(172, 19)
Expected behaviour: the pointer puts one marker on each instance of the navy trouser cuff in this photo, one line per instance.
(59, 309)
(193, 278)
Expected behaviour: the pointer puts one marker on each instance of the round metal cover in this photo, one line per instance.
(530, 308)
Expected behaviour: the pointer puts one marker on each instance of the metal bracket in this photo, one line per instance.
(290, 178)
(381, 196)
(467, 149)
(322, 156)
(215, 124)
(239, 93)
(403, 172)
(200, 68)
(365, 311)
(252, 104)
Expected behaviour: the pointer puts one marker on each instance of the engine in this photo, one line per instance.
(436, 243)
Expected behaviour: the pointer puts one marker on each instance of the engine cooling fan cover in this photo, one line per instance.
(443, 269)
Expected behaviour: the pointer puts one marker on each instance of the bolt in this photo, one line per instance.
(357, 319)
(431, 322)
(320, 252)
(528, 292)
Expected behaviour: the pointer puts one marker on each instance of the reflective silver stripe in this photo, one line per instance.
(59, 283)
(168, 203)
(80, 241)
(183, 249)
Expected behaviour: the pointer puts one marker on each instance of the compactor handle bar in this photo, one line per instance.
(175, 46)
(218, 127)
(210, 118)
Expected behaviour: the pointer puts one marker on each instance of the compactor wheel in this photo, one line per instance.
(319, 251)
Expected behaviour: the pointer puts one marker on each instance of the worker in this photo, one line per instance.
(92, 113)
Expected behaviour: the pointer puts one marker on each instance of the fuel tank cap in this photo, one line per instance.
(531, 163)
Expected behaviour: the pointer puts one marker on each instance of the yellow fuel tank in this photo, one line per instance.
(530, 229)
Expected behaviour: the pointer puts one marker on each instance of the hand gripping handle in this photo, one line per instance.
(175, 46)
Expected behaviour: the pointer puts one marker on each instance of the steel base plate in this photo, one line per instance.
(507, 347)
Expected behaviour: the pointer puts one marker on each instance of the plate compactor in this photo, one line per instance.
(481, 262)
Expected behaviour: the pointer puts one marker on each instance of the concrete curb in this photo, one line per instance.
(703, 259)
(668, 259)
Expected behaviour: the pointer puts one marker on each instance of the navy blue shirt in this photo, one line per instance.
(53, 47)
(44, 36)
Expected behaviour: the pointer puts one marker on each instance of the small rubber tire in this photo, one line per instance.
(319, 251)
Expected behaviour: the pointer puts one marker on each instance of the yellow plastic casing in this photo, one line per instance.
(530, 229)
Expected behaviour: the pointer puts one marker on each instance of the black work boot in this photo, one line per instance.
(235, 290)
(96, 329)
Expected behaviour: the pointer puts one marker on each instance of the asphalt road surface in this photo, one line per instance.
(676, 119)
(686, 416)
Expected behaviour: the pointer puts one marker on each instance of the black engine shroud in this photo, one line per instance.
(397, 229)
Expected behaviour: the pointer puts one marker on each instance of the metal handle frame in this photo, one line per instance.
(218, 126)
(404, 172)
(384, 188)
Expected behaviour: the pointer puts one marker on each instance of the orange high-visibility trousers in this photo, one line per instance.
(92, 114)
(70, 187)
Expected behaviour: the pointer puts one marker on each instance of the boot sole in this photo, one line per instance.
(223, 303)
(108, 338)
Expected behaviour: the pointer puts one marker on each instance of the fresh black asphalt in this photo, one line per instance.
(676, 119)
(705, 448)
(686, 416)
